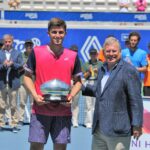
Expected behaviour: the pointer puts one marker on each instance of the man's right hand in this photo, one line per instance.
(40, 100)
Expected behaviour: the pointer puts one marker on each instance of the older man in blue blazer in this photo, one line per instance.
(119, 108)
(10, 62)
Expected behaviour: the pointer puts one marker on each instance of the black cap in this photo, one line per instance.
(93, 51)
(28, 42)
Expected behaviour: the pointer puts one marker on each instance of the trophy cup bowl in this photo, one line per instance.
(55, 91)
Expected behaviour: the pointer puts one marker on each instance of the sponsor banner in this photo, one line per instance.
(85, 39)
(77, 16)
(144, 141)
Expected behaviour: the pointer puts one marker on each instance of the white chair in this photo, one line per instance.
(75, 5)
(25, 5)
(113, 5)
(62, 4)
(101, 5)
(88, 5)
(37, 5)
(50, 4)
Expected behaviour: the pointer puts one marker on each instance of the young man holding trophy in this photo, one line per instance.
(53, 66)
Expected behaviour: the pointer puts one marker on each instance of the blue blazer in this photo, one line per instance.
(119, 106)
(14, 78)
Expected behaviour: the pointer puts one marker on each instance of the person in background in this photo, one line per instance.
(14, 4)
(1, 44)
(127, 43)
(52, 63)
(10, 62)
(75, 100)
(135, 55)
(119, 106)
(146, 88)
(101, 55)
(141, 5)
(24, 94)
(7, 111)
(124, 5)
(90, 70)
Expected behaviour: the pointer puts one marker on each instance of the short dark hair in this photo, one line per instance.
(56, 22)
(135, 34)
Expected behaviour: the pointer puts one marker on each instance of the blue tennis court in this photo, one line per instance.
(81, 139)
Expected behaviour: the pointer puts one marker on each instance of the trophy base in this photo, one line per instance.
(55, 98)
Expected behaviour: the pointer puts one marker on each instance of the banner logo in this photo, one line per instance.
(91, 42)
(19, 45)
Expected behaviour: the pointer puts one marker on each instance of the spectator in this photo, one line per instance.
(101, 55)
(124, 5)
(75, 100)
(24, 94)
(7, 111)
(10, 62)
(135, 55)
(146, 88)
(1, 44)
(51, 63)
(90, 70)
(127, 43)
(119, 108)
(14, 3)
(141, 5)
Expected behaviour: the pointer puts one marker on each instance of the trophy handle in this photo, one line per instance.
(56, 98)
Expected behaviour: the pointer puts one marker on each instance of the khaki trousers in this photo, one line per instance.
(12, 97)
(89, 108)
(24, 95)
(75, 109)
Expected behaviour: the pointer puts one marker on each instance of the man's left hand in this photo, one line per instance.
(137, 132)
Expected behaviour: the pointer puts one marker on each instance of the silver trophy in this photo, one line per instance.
(55, 90)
